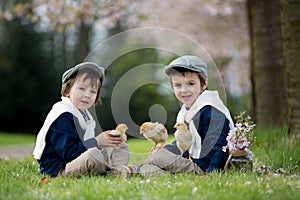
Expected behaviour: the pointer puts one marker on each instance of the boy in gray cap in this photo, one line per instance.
(67, 144)
(206, 117)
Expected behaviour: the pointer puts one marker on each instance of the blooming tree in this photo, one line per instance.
(56, 15)
(70, 21)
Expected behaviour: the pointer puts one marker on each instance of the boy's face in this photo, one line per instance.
(83, 94)
(187, 88)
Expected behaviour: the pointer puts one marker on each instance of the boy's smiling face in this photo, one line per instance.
(187, 88)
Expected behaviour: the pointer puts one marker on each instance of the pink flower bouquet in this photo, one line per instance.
(241, 138)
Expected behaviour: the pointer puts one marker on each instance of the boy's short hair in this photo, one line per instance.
(189, 63)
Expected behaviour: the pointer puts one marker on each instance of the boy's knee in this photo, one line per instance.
(96, 155)
(155, 158)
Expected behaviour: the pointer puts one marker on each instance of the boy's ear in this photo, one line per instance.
(205, 85)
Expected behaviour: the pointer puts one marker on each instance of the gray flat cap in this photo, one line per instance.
(86, 65)
(189, 62)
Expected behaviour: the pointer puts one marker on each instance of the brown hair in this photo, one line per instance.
(184, 71)
(85, 74)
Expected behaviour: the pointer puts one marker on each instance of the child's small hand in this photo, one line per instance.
(106, 140)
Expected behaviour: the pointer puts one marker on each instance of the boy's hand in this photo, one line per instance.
(104, 139)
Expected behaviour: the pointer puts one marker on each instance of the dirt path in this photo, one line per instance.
(16, 151)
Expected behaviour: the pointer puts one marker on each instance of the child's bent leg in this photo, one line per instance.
(91, 161)
(172, 163)
(173, 148)
(120, 155)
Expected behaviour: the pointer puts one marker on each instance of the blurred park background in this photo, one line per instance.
(254, 45)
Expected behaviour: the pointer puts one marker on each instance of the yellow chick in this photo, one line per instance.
(183, 137)
(120, 131)
(155, 132)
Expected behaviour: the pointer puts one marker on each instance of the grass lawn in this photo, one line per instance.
(9, 139)
(276, 175)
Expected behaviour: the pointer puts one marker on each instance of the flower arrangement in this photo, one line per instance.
(241, 138)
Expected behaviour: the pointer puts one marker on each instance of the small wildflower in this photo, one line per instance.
(194, 190)
(270, 191)
(248, 182)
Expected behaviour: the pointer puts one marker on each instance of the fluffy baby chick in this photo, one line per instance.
(155, 132)
(183, 137)
(120, 131)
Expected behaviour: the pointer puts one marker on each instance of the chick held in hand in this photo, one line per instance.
(120, 131)
(183, 137)
(155, 132)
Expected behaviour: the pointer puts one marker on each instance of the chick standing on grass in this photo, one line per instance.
(155, 132)
(120, 131)
(183, 137)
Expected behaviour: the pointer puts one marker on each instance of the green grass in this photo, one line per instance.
(19, 178)
(17, 138)
(139, 149)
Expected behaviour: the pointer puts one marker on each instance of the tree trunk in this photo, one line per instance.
(267, 63)
(82, 45)
(290, 20)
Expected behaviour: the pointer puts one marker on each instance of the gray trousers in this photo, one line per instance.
(95, 161)
(171, 162)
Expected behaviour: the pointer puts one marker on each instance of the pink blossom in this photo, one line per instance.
(241, 136)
